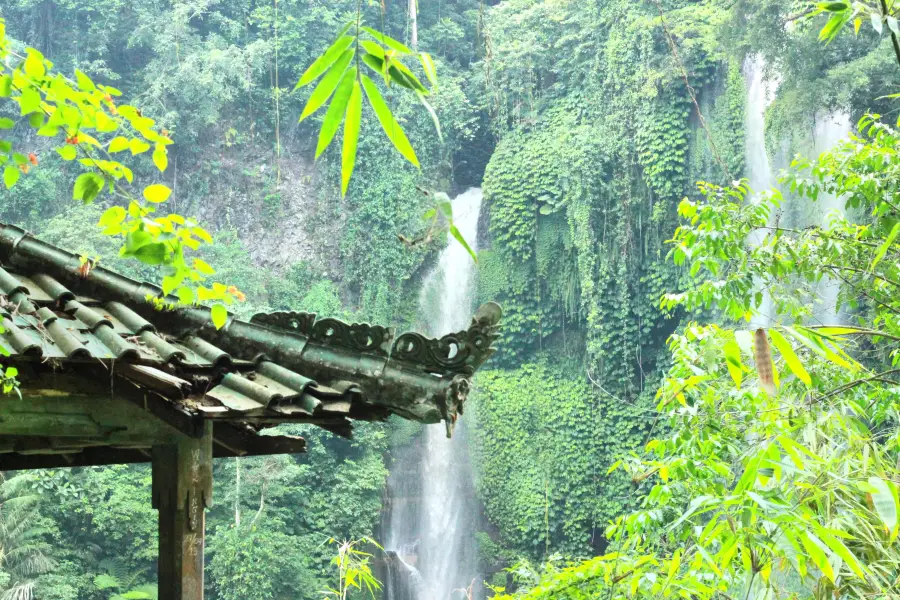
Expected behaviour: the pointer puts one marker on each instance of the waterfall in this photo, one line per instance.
(431, 521)
(760, 93)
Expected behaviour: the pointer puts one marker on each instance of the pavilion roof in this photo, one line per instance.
(67, 330)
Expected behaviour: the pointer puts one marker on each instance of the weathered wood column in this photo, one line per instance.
(182, 491)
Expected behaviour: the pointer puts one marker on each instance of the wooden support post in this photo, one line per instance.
(182, 490)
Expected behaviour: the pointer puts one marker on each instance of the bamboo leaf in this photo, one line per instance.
(328, 58)
(814, 549)
(790, 357)
(838, 547)
(459, 238)
(885, 502)
(388, 123)
(434, 117)
(351, 136)
(388, 41)
(336, 110)
(430, 68)
(327, 86)
(733, 360)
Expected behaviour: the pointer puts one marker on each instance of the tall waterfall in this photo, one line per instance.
(430, 525)
(760, 93)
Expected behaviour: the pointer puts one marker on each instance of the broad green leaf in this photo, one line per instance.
(118, 144)
(388, 123)
(459, 238)
(434, 117)
(885, 502)
(34, 64)
(327, 86)
(29, 101)
(67, 152)
(87, 187)
(6, 123)
(336, 111)
(219, 315)
(833, 6)
(430, 68)
(112, 216)
(388, 41)
(882, 250)
(11, 175)
(157, 193)
(790, 357)
(321, 64)
(5, 86)
(160, 157)
(138, 146)
(185, 295)
(351, 136)
(153, 253)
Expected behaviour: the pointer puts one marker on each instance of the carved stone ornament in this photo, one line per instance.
(455, 402)
(358, 337)
(461, 352)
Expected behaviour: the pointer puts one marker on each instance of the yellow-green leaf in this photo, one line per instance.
(219, 315)
(790, 357)
(112, 216)
(351, 136)
(67, 152)
(388, 123)
(84, 82)
(203, 267)
(138, 146)
(11, 175)
(157, 193)
(838, 547)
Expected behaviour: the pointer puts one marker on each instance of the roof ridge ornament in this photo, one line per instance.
(357, 337)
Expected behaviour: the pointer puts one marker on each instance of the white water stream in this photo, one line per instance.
(431, 522)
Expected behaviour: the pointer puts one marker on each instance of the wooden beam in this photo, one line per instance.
(182, 491)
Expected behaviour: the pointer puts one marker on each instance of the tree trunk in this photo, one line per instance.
(413, 25)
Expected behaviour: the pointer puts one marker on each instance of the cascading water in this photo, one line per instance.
(430, 524)
(829, 128)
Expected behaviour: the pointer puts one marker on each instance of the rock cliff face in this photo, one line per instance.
(283, 212)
